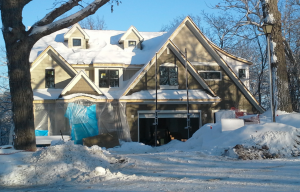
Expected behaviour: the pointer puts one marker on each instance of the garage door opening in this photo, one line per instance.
(170, 126)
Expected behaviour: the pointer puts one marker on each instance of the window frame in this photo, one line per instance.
(132, 45)
(46, 70)
(108, 79)
(168, 67)
(77, 38)
(245, 75)
(211, 79)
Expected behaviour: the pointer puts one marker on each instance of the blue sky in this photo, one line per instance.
(145, 15)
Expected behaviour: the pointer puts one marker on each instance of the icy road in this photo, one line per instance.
(188, 171)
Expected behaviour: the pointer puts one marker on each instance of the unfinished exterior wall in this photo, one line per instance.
(147, 82)
(196, 51)
(229, 93)
(62, 77)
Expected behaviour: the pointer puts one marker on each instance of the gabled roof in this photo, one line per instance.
(210, 48)
(53, 53)
(74, 81)
(169, 44)
(131, 29)
(71, 31)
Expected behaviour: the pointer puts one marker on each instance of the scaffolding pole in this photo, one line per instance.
(188, 122)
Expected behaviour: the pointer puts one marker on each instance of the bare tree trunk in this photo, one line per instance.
(18, 44)
(279, 68)
(21, 97)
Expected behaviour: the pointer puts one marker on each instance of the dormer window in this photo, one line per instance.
(76, 37)
(131, 43)
(76, 42)
(242, 73)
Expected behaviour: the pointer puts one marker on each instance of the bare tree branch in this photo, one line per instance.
(37, 31)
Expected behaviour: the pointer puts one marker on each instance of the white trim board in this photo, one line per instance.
(81, 74)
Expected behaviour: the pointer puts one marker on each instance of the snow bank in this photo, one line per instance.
(281, 138)
(132, 147)
(60, 163)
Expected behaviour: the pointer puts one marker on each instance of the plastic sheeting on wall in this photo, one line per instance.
(82, 119)
(113, 119)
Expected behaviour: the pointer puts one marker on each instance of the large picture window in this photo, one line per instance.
(76, 42)
(211, 75)
(49, 78)
(108, 78)
(168, 75)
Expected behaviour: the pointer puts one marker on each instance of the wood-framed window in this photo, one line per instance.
(211, 75)
(76, 42)
(131, 43)
(168, 75)
(49, 78)
(242, 73)
(108, 78)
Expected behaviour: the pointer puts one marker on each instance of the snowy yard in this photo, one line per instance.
(206, 162)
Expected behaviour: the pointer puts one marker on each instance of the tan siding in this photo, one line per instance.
(82, 86)
(132, 36)
(196, 52)
(148, 81)
(127, 74)
(62, 78)
(91, 75)
(77, 34)
(229, 93)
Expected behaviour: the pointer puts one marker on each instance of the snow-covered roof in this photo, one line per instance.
(104, 47)
(45, 94)
(52, 94)
(167, 94)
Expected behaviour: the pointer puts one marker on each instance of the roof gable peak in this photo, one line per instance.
(73, 28)
(131, 29)
(81, 75)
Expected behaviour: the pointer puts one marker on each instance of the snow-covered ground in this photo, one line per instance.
(207, 161)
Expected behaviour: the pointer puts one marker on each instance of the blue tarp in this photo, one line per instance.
(83, 121)
(41, 133)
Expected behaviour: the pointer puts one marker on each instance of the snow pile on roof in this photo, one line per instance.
(60, 163)
(44, 94)
(103, 47)
(169, 94)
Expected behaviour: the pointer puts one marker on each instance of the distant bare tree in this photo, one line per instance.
(93, 23)
(5, 101)
(179, 19)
